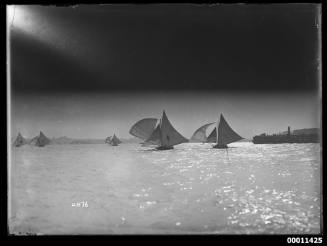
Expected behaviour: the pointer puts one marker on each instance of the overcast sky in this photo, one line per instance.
(91, 70)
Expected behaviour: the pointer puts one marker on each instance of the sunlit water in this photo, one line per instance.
(192, 189)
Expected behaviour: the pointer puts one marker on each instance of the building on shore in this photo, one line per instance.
(310, 135)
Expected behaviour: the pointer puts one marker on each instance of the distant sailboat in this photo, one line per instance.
(165, 135)
(108, 139)
(19, 141)
(200, 134)
(226, 135)
(143, 128)
(114, 141)
(41, 140)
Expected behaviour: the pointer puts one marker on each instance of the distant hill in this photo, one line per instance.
(87, 141)
(62, 140)
(131, 140)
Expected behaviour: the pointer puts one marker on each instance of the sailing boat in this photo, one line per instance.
(226, 135)
(114, 141)
(108, 139)
(41, 140)
(165, 135)
(143, 128)
(200, 134)
(19, 141)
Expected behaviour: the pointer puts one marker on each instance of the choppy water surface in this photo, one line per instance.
(192, 189)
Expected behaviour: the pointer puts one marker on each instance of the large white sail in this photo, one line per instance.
(143, 128)
(200, 134)
(169, 135)
(226, 134)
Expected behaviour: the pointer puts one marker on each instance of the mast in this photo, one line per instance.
(218, 123)
(160, 132)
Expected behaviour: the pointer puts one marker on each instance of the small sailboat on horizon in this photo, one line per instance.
(114, 141)
(226, 134)
(19, 141)
(108, 139)
(41, 140)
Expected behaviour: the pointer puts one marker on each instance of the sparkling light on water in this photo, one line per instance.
(190, 189)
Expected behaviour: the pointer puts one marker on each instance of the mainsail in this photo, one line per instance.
(143, 128)
(226, 134)
(212, 138)
(169, 136)
(20, 140)
(200, 134)
(165, 135)
(155, 137)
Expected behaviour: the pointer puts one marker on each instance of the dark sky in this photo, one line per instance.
(105, 48)
(91, 71)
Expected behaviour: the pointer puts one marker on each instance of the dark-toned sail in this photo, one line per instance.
(200, 134)
(155, 136)
(114, 141)
(212, 138)
(226, 134)
(143, 128)
(40, 140)
(169, 135)
(19, 141)
(165, 135)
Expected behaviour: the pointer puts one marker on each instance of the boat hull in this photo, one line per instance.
(164, 147)
(279, 139)
(220, 146)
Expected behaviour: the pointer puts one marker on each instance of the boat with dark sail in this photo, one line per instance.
(114, 141)
(41, 140)
(199, 136)
(226, 134)
(19, 141)
(165, 136)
